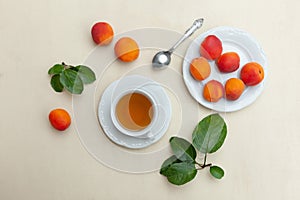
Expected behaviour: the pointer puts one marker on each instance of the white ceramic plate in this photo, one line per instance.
(233, 40)
(134, 82)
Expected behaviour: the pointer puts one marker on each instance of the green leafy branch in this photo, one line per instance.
(208, 137)
(71, 78)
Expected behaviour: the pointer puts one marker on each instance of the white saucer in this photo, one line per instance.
(249, 50)
(133, 82)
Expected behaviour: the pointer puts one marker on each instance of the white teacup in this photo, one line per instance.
(135, 113)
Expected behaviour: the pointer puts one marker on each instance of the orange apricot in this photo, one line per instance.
(200, 68)
(126, 49)
(228, 62)
(211, 47)
(102, 33)
(213, 91)
(60, 119)
(252, 73)
(234, 87)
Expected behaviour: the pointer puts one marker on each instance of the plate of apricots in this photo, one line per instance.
(225, 69)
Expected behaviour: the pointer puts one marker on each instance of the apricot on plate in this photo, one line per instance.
(59, 119)
(228, 62)
(234, 88)
(200, 68)
(102, 33)
(213, 91)
(211, 47)
(126, 49)
(252, 73)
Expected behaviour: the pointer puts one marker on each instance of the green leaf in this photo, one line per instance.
(56, 84)
(181, 173)
(167, 163)
(183, 149)
(86, 74)
(71, 81)
(74, 68)
(216, 172)
(56, 69)
(209, 134)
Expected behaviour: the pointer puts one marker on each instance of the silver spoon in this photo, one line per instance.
(163, 58)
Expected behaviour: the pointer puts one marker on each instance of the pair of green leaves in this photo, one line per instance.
(71, 78)
(208, 137)
(180, 168)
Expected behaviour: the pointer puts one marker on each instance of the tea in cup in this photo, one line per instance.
(134, 113)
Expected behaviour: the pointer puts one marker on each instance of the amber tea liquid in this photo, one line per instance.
(134, 111)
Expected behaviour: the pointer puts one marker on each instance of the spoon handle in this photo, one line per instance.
(196, 25)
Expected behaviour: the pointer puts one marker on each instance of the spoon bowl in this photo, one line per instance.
(163, 58)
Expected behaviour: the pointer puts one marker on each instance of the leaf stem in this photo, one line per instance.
(202, 166)
(65, 65)
(207, 165)
(205, 156)
(199, 164)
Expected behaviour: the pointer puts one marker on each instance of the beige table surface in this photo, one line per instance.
(260, 154)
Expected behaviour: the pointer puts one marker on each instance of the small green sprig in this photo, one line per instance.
(208, 137)
(71, 78)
